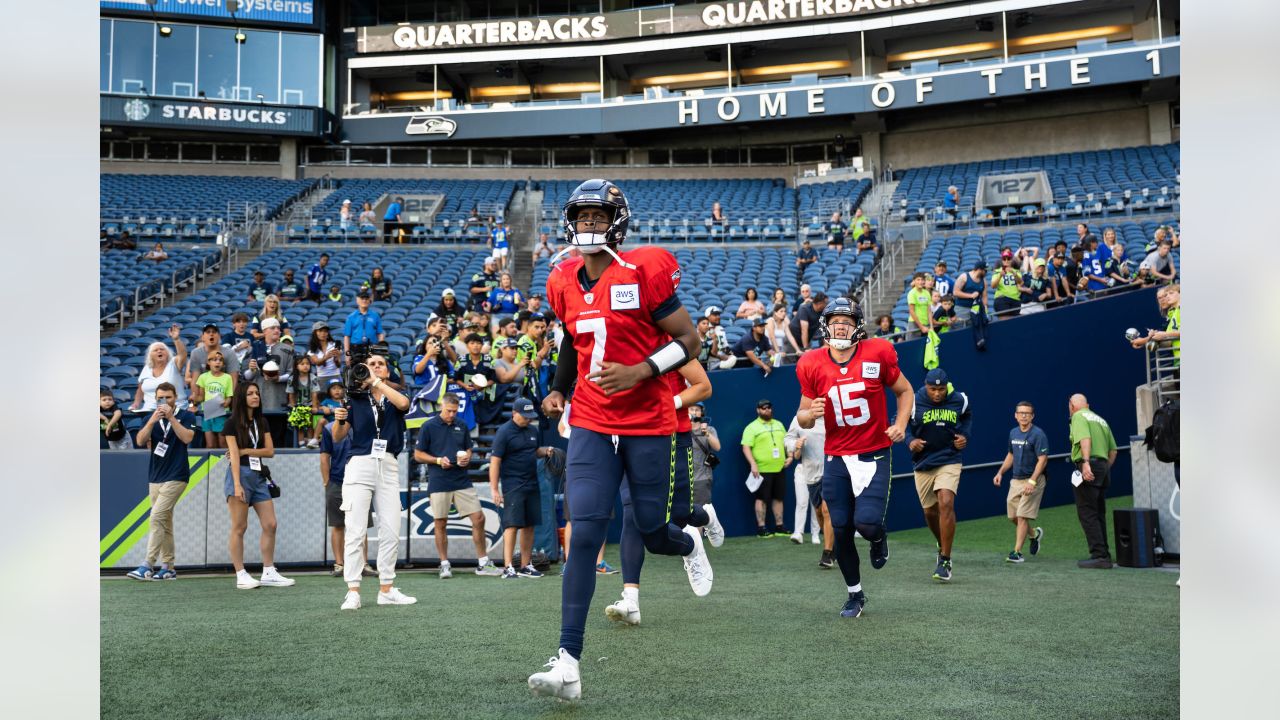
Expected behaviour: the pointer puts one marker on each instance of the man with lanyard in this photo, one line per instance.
(363, 325)
(1028, 456)
(166, 433)
(1093, 450)
(499, 243)
(764, 445)
(317, 276)
(513, 461)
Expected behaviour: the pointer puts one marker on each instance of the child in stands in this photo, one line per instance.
(214, 384)
(304, 391)
(109, 422)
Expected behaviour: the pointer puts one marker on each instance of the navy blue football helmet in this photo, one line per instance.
(842, 306)
(596, 194)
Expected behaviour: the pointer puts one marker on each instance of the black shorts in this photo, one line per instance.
(522, 506)
(333, 506)
(815, 495)
(774, 486)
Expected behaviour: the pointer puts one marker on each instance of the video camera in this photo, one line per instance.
(357, 372)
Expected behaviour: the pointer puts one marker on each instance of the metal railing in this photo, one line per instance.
(884, 271)
(998, 463)
(1163, 371)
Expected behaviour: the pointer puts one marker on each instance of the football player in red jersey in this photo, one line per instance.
(624, 328)
(843, 386)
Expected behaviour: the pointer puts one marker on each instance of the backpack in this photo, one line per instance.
(1163, 434)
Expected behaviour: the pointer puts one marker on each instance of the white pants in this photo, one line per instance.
(378, 481)
(804, 508)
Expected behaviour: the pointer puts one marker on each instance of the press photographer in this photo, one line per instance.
(374, 418)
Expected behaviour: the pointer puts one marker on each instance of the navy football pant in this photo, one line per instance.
(863, 513)
(593, 475)
(681, 510)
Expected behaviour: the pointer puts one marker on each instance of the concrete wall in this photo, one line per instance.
(272, 170)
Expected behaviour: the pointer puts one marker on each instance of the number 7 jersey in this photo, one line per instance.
(856, 415)
(616, 320)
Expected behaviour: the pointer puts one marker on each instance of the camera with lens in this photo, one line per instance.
(357, 372)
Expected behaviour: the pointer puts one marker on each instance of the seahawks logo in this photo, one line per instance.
(422, 522)
(431, 125)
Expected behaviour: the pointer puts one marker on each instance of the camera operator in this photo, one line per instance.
(375, 420)
(706, 443)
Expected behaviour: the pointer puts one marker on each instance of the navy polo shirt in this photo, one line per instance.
(438, 439)
(339, 453)
(174, 465)
(759, 347)
(517, 446)
(364, 429)
(1027, 447)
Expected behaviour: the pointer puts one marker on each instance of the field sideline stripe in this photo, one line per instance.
(196, 477)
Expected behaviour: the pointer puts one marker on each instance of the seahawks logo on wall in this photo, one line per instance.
(137, 110)
(431, 125)
(422, 523)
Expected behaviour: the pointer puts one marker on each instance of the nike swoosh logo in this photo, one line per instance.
(879, 457)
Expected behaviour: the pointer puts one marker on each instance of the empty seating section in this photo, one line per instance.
(679, 211)
(192, 207)
(490, 197)
(961, 250)
(1100, 182)
(125, 279)
(721, 278)
(418, 277)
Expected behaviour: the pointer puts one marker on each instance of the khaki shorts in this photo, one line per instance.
(1024, 506)
(465, 500)
(929, 482)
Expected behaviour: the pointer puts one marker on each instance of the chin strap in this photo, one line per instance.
(560, 256)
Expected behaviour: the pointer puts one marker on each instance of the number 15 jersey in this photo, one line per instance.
(616, 320)
(856, 416)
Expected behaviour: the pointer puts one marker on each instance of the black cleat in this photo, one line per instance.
(880, 552)
(853, 606)
(828, 558)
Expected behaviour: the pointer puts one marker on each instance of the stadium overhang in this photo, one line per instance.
(893, 91)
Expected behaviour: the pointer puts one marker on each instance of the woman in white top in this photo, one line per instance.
(751, 307)
(324, 352)
(162, 366)
(344, 215)
(366, 215)
(778, 330)
(270, 308)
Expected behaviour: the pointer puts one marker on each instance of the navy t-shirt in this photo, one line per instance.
(339, 453)
(174, 465)
(440, 440)
(1027, 447)
(759, 347)
(517, 447)
(364, 428)
(260, 292)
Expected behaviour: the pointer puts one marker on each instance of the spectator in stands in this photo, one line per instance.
(271, 368)
(534, 304)
(804, 326)
(211, 391)
(951, 200)
(1060, 275)
(1037, 286)
(391, 220)
(473, 218)
(753, 347)
(270, 309)
(505, 366)
(918, 301)
(449, 310)
(864, 239)
(363, 326)
(1094, 267)
(124, 242)
(1159, 263)
(333, 466)
(167, 433)
(712, 314)
(1006, 281)
(500, 243)
(241, 339)
(836, 230)
(291, 290)
(971, 290)
(1077, 263)
(837, 147)
(806, 296)
(482, 282)
(806, 256)
(317, 276)
(1117, 269)
(325, 356)
(1169, 299)
(475, 362)
(942, 282)
(259, 289)
(1163, 233)
(344, 215)
(751, 307)
(886, 329)
(944, 316)
(542, 249)
(445, 447)
(104, 241)
(114, 436)
(533, 348)
(162, 366)
(717, 216)
(506, 330)
(304, 391)
(779, 297)
(335, 396)
(367, 217)
(504, 300)
(430, 357)
(707, 349)
(764, 446)
(378, 284)
(157, 253)
(706, 443)
(198, 360)
(1109, 242)
(513, 460)
(778, 330)
(249, 442)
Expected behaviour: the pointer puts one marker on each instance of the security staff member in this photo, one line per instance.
(1093, 450)
(376, 426)
(513, 461)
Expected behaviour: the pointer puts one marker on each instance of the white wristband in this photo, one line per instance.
(679, 402)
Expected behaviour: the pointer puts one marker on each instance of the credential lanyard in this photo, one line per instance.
(253, 434)
(164, 430)
(377, 418)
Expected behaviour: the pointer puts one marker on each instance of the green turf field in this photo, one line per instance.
(1043, 639)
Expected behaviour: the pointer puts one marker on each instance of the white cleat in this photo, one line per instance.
(714, 530)
(351, 601)
(817, 538)
(697, 566)
(623, 611)
(561, 680)
(395, 597)
(272, 578)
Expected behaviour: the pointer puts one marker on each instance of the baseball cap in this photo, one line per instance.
(523, 407)
(318, 325)
(980, 264)
(346, 202)
(209, 326)
(1006, 253)
(270, 366)
(936, 377)
(364, 293)
(511, 342)
(269, 323)
(759, 322)
(287, 339)
(764, 402)
(1039, 262)
(711, 310)
(447, 292)
(334, 381)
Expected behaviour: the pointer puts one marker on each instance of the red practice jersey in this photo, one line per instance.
(856, 416)
(679, 385)
(614, 321)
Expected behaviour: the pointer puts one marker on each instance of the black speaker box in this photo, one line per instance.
(1137, 533)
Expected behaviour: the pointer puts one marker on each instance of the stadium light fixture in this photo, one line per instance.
(687, 77)
(795, 68)
(1107, 31)
(943, 52)
(566, 87)
(415, 95)
(165, 31)
(240, 36)
(501, 91)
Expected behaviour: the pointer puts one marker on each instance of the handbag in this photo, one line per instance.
(272, 488)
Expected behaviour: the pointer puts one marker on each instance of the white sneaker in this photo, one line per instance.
(489, 570)
(272, 578)
(797, 538)
(561, 680)
(245, 581)
(714, 530)
(351, 601)
(697, 566)
(395, 597)
(446, 570)
(623, 611)
(817, 538)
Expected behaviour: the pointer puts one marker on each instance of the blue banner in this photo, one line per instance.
(293, 12)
